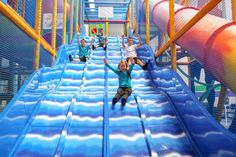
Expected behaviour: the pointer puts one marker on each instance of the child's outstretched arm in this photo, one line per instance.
(106, 63)
(123, 42)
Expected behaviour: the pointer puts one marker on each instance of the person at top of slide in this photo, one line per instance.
(102, 40)
(131, 51)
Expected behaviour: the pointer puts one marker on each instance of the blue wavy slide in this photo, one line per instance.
(64, 110)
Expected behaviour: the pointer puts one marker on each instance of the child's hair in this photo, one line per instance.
(82, 40)
(127, 67)
(126, 63)
(130, 38)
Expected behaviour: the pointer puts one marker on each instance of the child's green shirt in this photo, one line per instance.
(124, 76)
(84, 51)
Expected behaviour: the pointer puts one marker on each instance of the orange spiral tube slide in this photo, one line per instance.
(212, 40)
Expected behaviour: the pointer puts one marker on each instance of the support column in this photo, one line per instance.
(128, 23)
(64, 22)
(54, 24)
(71, 20)
(38, 18)
(172, 33)
(147, 21)
(133, 15)
(233, 3)
(77, 15)
(106, 26)
(82, 16)
(130, 16)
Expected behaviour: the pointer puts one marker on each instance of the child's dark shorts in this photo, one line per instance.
(135, 59)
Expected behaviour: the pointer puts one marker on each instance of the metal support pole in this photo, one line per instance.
(106, 27)
(77, 15)
(128, 19)
(80, 13)
(54, 24)
(130, 14)
(38, 17)
(172, 33)
(137, 16)
(71, 20)
(133, 15)
(82, 16)
(64, 22)
(147, 21)
(233, 3)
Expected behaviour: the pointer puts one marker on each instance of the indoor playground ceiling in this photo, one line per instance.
(119, 7)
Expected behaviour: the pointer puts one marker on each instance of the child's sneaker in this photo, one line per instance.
(93, 47)
(114, 101)
(145, 66)
(105, 48)
(113, 106)
(123, 102)
(70, 58)
(122, 108)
